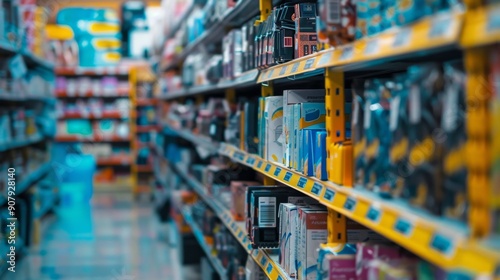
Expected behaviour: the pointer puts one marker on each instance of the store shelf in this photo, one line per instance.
(146, 128)
(20, 144)
(107, 93)
(97, 71)
(28, 181)
(435, 33)
(197, 140)
(35, 61)
(6, 48)
(147, 101)
(23, 97)
(216, 263)
(103, 115)
(438, 240)
(145, 168)
(246, 79)
(267, 261)
(75, 138)
(114, 161)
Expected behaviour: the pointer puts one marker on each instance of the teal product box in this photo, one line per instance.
(310, 116)
(362, 18)
(374, 23)
(307, 151)
(295, 135)
(409, 11)
(273, 114)
(320, 170)
(291, 97)
(388, 14)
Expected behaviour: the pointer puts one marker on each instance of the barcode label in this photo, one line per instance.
(333, 12)
(288, 42)
(267, 211)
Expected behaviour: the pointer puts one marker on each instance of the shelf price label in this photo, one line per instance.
(288, 176)
(259, 164)
(350, 204)
(373, 214)
(269, 268)
(317, 188)
(372, 47)
(325, 59)
(270, 74)
(309, 63)
(239, 156)
(240, 234)
(277, 171)
(268, 167)
(283, 70)
(347, 52)
(250, 160)
(329, 195)
(302, 182)
(402, 38)
(263, 261)
(440, 26)
(295, 67)
(442, 243)
(403, 226)
(493, 23)
(245, 239)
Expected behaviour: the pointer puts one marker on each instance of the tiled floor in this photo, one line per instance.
(112, 239)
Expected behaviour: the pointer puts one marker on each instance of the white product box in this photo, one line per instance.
(273, 114)
(312, 232)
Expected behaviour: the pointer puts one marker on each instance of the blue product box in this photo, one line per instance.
(308, 151)
(311, 116)
(362, 18)
(374, 23)
(388, 14)
(294, 141)
(320, 155)
(409, 11)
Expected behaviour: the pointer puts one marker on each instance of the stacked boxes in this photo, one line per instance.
(312, 231)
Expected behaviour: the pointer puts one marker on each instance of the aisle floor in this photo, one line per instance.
(114, 238)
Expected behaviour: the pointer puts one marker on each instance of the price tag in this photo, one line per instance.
(325, 59)
(442, 243)
(373, 214)
(255, 253)
(250, 160)
(309, 63)
(402, 38)
(329, 195)
(263, 261)
(277, 171)
(288, 176)
(317, 188)
(295, 68)
(493, 23)
(347, 53)
(372, 47)
(249, 247)
(239, 156)
(403, 226)
(283, 70)
(245, 239)
(440, 27)
(240, 235)
(269, 268)
(270, 74)
(302, 182)
(350, 204)
(268, 167)
(259, 165)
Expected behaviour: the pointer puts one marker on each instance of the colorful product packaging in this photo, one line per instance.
(306, 39)
(312, 116)
(367, 252)
(320, 156)
(273, 115)
(238, 190)
(336, 21)
(313, 232)
(337, 261)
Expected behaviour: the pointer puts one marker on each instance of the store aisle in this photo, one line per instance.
(113, 239)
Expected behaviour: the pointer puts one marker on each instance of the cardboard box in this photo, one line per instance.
(320, 155)
(273, 114)
(306, 38)
(291, 97)
(311, 116)
(238, 190)
(312, 232)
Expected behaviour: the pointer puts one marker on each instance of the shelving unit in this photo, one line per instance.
(123, 89)
(453, 34)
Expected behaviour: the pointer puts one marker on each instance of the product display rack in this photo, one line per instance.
(451, 245)
(120, 92)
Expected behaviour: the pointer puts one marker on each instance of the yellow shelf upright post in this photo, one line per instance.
(266, 6)
(335, 127)
(478, 140)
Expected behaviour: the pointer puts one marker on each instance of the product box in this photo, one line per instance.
(409, 11)
(320, 155)
(313, 232)
(337, 262)
(286, 34)
(250, 122)
(306, 38)
(311, 116)
(261, 126)
(294, 156)
(262, 213)
(306, 152)
(336, 21)
(238, 190)
(273, 114)
(367, 252)
(340, 166)
(291, 97)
